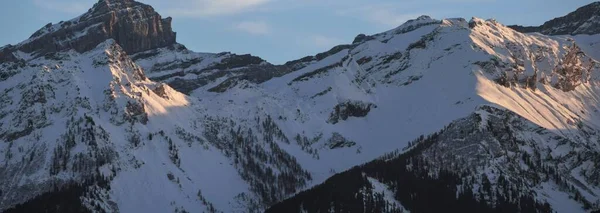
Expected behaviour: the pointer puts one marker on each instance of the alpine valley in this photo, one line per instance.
(108, 113)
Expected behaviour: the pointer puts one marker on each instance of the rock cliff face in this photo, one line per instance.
(217, 72)
(6, 54)
(135, 26)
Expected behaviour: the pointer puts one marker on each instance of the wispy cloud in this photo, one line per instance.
(385, 15)
(177, 8)
(64, 6)
(254, 27)
(322, 41)
(208, 8)
(468, 1)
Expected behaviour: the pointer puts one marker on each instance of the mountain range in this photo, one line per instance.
(106, 112)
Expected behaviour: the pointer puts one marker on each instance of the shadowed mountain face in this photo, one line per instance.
(585, 20)
(134, 26)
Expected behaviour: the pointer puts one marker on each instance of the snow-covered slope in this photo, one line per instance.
(85, 117)
(187, 71)
(396, 87)
(490, 161)
(162, 128)
(412, 81)
(359, 101)
(454, 66)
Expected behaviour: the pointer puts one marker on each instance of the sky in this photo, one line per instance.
(283, 30)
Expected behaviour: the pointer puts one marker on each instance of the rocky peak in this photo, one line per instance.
(424, 17)
(115, 3)
(585, 20)
(135, 26)
(107, 6)
(414, 24)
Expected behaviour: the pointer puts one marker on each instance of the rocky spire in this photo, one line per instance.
(134, 26)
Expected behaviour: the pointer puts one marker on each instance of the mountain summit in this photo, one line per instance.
(134, 26)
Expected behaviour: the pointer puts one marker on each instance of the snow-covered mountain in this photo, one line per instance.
(543, 89)
(108, 113)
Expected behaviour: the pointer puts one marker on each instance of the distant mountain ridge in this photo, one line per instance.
(585, 20)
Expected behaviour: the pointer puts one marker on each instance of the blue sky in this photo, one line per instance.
(282, 30)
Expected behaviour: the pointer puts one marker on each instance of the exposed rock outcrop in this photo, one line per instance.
(135, 26)
(6, 54)
(338, 141)
(348, 109)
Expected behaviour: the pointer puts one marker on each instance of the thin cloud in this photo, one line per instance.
(385, 15)
(254, 27)
(176, 8)
(322, 41)
(64, 6)
(208, 8)
(388, 18)
(468, 1)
